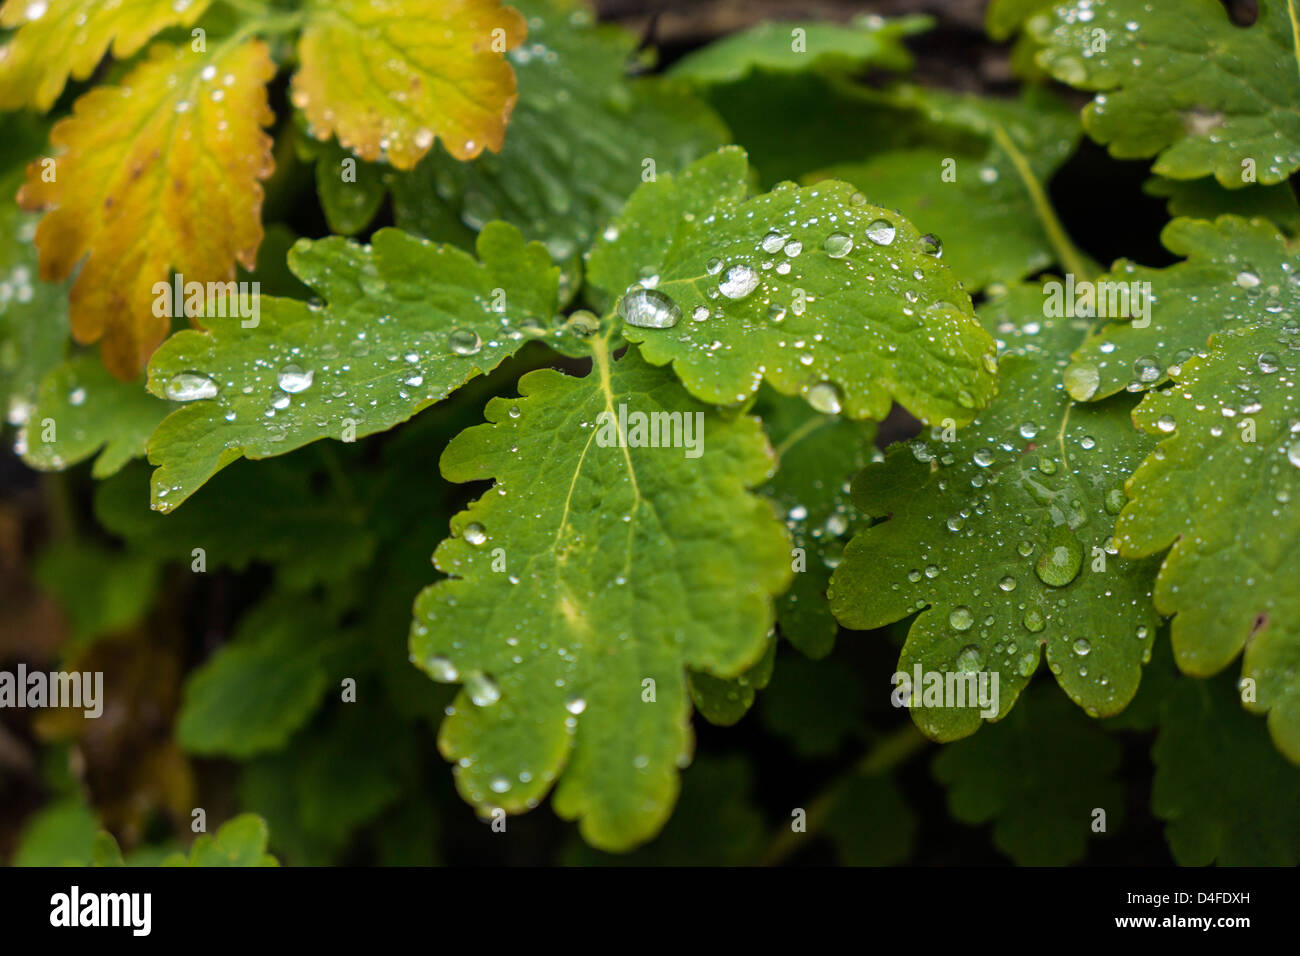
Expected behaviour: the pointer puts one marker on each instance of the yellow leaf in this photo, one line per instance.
(389, 77)
(160, 173)
(58, 38)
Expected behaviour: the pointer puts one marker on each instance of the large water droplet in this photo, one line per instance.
(931, 245)
(961, 618)
(739, 282)
(292, 379)
(441, 669)
(881, 232)
(1082, 381)
(838, 245)
(649, 309)
(1059, 563)
(475, 533)
(825, 397)
(189, 387)
(482, 689)
(464, 341)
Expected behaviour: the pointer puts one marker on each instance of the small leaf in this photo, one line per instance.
(1182, 81)
(56, 39)
(1206, 199)
(723, 702)
(1040, 775)
(791, 46)
(258, 689)
(406, 323)
(1001, 538)
(240, 842)
(818, 457)
(391, 78)
(812, 290)
(93, 414)
(626, 567)
(162, 172)
(1225, 795)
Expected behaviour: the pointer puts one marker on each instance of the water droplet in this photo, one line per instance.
(713, 266)
(649, 309)
(1033, 620)
(1115, 501)
(701, 313)
(1166, 423)
(475, 533)
(575, 705)
(739, 282)
(773, 242)
(825, 397)
(1082, 647)
(1008, 583)
(881, 232)
(464, 341)
(970, 660)
(1247, 279)
(1082, 381)
(189, 387)
(1059, 563)
(931, 245)
(982, 457)
(292, 379)
(1147, 368)
(961, 618)
(1293, 453)
(441, 669)
(482, 689)
(1267, 363)
(838, 245)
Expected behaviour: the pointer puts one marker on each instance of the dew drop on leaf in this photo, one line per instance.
(649, 309)
(189, 387)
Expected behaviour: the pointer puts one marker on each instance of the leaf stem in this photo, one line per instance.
(1069, 256)
(890, 751)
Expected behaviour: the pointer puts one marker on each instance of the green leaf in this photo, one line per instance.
(350, 195)
(1237, 274)
(573, 602)
(869, 822)
(1039, 776)
(724, 702)
(240, 842)
(715, 823)
(258, 689)
(99, 591)
(788, 288)
(1206, 199)
(1182, 81)
(89, 412)
(33, 313)
(60, 834)
(105, 851)
(1221, 490)
(335, 776)
(992, 216)
(271, 514)
(794, 46)
(405, 324)
(577, 144)
(1001, 538)
(818, 456)
(815, 707)
(1224, 793)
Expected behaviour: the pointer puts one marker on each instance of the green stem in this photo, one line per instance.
(889, 752)
(1067, 253)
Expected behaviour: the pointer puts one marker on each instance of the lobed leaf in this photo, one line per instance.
(58, 39)
(1220, 492)
(1181, 82)
(405, 324)
(1001, 538)
(622, 570)
(162, 172)
(793, 46)
(789, 287)
(390, 78)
